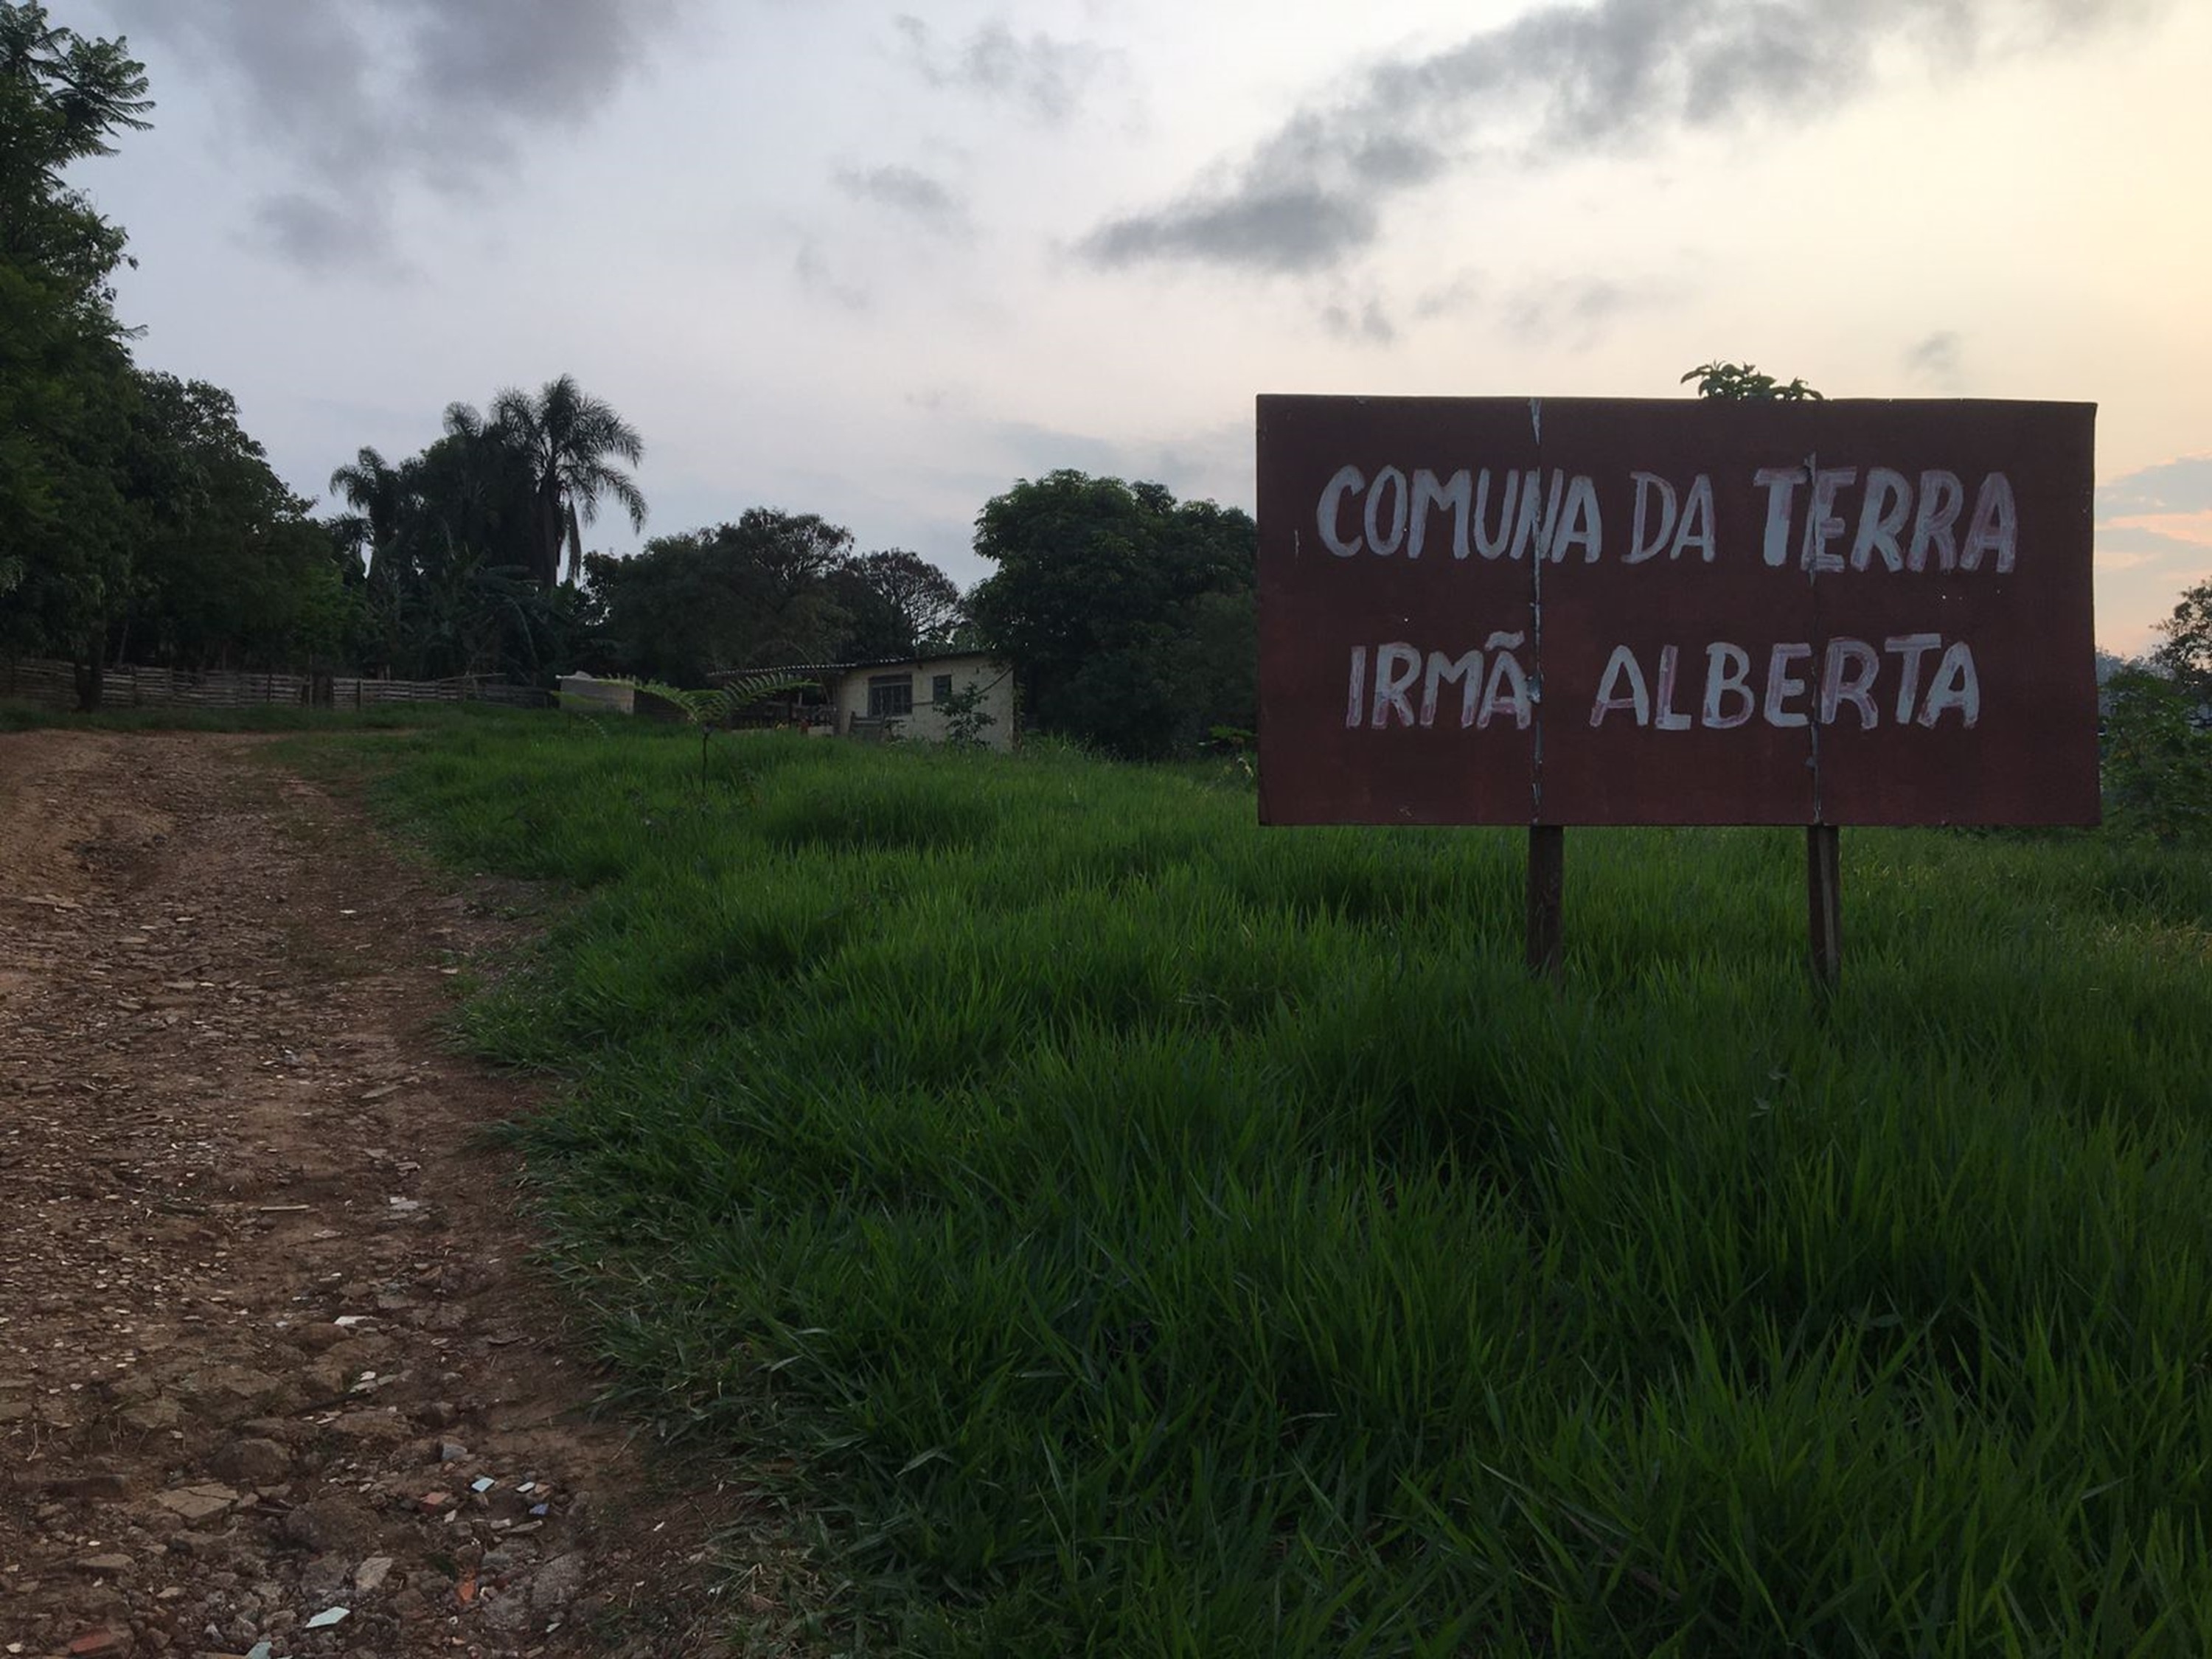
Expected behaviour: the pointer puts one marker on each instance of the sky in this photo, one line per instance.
(879, 261)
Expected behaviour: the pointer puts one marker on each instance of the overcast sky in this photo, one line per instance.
(877, 261)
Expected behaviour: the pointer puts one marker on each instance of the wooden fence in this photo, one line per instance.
(53, 685)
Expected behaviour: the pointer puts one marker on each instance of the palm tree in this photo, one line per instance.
(571, 442)
(479, 490)
(377, 491)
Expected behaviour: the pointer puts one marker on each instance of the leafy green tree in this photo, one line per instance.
(70, 532)
(570, 442)
(2187, 650)
(1742, 382)
(378, 493)
(229, 569)
(62, 97)
(67, 532)
(757, 593)
(1128, 616)
(2157, 767)
(899, 603)
(450, 542)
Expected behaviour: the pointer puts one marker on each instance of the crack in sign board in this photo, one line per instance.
(1576, 611)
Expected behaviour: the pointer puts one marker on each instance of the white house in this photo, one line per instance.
(913, 698)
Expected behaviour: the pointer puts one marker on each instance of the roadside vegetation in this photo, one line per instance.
(1118, 1228)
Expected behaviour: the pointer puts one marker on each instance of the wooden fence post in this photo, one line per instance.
(1824, 901)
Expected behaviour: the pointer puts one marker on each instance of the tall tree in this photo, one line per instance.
(67, 532)
(760, 592)
(378, 493)
(455, 579)
(1127, 615)
(900, 605)
(2187, 650)
(230, 571)
(571, 442)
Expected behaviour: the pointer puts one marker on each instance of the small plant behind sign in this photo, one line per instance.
(1743, 381)
(2157, 767)
(965, 718)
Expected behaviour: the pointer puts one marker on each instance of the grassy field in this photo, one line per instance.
(1122, 1230)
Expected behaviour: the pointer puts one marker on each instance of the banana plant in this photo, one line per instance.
(719, 705)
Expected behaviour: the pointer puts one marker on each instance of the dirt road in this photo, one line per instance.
(274, 1375)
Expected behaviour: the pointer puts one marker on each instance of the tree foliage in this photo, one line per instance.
(66, 387)
(229, 569)
(1744, 381)
(570, 442)
(1128, 617)
(772, 589)
(2185, 651)
(462, 543)
(2158, 766)
(899, 604)
(136, 514)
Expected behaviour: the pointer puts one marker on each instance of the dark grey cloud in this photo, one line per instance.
(1295, 228)
(1046, 76)
(359, 98)
(323, 236)
(1936, 359)
(928, 201)
(1559, 80)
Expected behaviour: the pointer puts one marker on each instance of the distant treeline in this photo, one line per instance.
(139, 522)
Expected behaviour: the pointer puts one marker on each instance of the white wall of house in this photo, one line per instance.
(581, 691)
(917, 690)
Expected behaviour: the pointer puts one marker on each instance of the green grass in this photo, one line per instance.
(1125, 1231)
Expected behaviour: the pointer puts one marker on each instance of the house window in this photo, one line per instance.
(940, 687)
(890, 693)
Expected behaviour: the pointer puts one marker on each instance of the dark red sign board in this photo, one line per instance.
(1600, 611)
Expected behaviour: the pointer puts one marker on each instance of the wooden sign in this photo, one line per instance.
(1584, 611)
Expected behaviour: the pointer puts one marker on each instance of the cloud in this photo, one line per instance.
(1576, 311)
(1294, 228)
(903, 190)
(1561, 80)
(816, 277)
(320, 236)
(2157, 520)
(2109, 560)
(1936, 359)
(363, 97)
(2185, 529)
(1211, 463)
(2151, 539)
(1362, 323)
(1462, 293)
(1048, 77)
(2179, 486)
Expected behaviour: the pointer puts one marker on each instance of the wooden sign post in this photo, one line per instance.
(1547, 612)
(1547, 870)
(1824, 901)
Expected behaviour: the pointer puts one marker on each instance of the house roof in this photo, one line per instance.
(723, 675)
